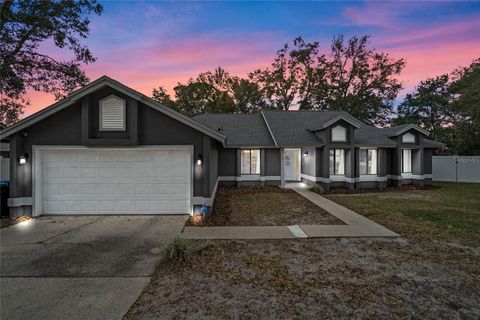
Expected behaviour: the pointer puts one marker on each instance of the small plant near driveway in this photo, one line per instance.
(317, 189)
(179, 249)
(176, 249)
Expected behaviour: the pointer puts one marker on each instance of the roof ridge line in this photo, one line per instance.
(269, 130)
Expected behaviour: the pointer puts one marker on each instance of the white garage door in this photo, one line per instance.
(113, 181)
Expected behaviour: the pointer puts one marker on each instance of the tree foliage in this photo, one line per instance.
(465, 90)
(448, 106)
(291, 77)
(359, 80)
(24, 26)
(213, 92)
(428, 106)
(352, 77)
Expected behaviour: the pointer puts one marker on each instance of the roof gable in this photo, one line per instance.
(95, 85)
(342, 116)
(398, 130)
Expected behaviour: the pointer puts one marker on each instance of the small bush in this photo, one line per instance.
(317, 189)
(177, 248)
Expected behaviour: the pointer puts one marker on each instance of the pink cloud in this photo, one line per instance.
(150, 65)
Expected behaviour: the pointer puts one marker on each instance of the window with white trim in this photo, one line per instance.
(368, 161)
(408, 138)
(337, 161)
(112, 114)
(406, 160)
(339, 134)
(250, 161)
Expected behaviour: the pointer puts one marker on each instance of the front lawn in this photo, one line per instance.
(448, 213)
(433, 272)
(263, 206)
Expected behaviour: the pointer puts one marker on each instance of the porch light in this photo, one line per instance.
(305, 153)
(199, 160)
(23, 159)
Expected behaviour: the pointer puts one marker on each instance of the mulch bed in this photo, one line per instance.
(262, 206)
(6, 222)
(374, 190)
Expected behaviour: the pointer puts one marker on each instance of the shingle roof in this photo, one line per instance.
(296, 128)
(367, 135)
(427, 143)
(240, 129)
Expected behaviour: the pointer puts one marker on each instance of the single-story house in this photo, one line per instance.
(108, 149)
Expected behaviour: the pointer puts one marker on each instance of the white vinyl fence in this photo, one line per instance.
(456, 168)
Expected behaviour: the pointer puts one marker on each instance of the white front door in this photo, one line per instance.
(113, 181)
(291, 164)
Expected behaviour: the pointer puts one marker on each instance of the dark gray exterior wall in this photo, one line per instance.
(309, 163)
(145, 126)
(272, 162)
(214, 146)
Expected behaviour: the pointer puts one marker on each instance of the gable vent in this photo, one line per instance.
(112, 114)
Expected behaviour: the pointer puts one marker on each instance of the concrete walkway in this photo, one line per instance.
(355, 225)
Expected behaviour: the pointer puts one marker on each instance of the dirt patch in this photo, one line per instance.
(265, 206)
(6, 222)
(315, 279)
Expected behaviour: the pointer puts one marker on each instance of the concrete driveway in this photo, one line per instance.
(85, 267)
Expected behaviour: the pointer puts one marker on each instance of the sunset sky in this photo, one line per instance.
(147, 44)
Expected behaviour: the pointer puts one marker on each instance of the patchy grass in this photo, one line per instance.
(433, 272)
(449, 212)
(267, 206)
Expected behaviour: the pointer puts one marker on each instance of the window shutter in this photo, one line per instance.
(408, 138)
(112, 114)
(339, 133)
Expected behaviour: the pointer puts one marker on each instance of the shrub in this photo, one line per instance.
(177, 248)
(317, 189)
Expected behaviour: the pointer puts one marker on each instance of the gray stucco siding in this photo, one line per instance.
(272, 162)
(309, 162)
(227, 162)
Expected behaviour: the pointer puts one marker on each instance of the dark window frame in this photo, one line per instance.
(366, 164)
(334, 161)
(250, 162)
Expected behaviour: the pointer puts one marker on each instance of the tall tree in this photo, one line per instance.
(291, 77)
(465, 90)
(161, 95)
(196, 98)
(428, 106)
(24, 25)
(359, 80)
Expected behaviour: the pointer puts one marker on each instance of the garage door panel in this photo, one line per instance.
(124, 188)
(105, 181)
(89, 172)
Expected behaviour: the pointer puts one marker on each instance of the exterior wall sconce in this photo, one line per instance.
(305, 154)
(23, 158)
(199, 160)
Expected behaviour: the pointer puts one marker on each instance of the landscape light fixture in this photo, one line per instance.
(305, 153)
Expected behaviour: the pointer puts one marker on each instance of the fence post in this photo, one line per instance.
(456, 169)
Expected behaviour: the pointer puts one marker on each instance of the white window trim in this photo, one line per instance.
(334, 158)
(250, 166)
(403, 161)
(376, 162)
(100, 114)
